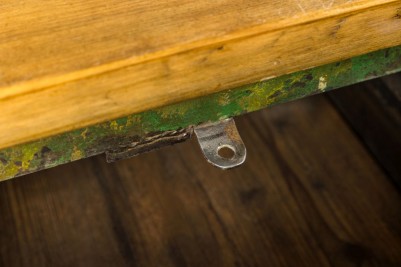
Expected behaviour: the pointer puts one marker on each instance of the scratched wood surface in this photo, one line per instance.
(310, 194)
(69, 64)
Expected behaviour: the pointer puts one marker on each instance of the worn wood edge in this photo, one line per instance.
(12, 90)
(74, 105)
(93, 140)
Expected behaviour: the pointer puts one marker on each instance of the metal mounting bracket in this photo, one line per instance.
(221, 143)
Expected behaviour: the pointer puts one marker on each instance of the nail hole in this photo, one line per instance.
(226, 152)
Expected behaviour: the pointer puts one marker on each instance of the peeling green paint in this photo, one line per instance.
(74, 145)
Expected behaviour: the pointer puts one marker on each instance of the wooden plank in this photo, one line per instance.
(299, 200)
(374, 112)
(66, 66)
(393, 83)
(85, 142)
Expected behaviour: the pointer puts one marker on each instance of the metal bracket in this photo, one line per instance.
(221, 144)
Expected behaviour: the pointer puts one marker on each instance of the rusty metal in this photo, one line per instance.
(148, 143)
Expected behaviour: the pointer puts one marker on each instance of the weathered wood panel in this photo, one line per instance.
(69, 65)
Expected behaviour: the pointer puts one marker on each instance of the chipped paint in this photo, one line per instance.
(267, 78)
(97, 139)
(322, 83)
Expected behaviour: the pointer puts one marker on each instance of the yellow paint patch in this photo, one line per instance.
(25, 157)
(131, 120)
(83, 134)
(174, 110)
(260, 98)
(224, 99)
(76, 154)
(114, 125)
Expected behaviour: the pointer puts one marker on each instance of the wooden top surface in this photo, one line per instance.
(69, 64)
(43, 39)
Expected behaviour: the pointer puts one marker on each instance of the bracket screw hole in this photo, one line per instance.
(226, 152)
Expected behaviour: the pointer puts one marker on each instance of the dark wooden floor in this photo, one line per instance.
(315, 191)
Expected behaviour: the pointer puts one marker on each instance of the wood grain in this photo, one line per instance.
(393, 83)
(308, 195)
(66, 65)
(373, 111)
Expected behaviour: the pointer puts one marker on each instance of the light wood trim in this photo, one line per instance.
(59, 101)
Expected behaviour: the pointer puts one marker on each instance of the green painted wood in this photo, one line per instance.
(86, 142)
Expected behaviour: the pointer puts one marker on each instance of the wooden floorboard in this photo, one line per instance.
(310, 194)
(373, 111)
